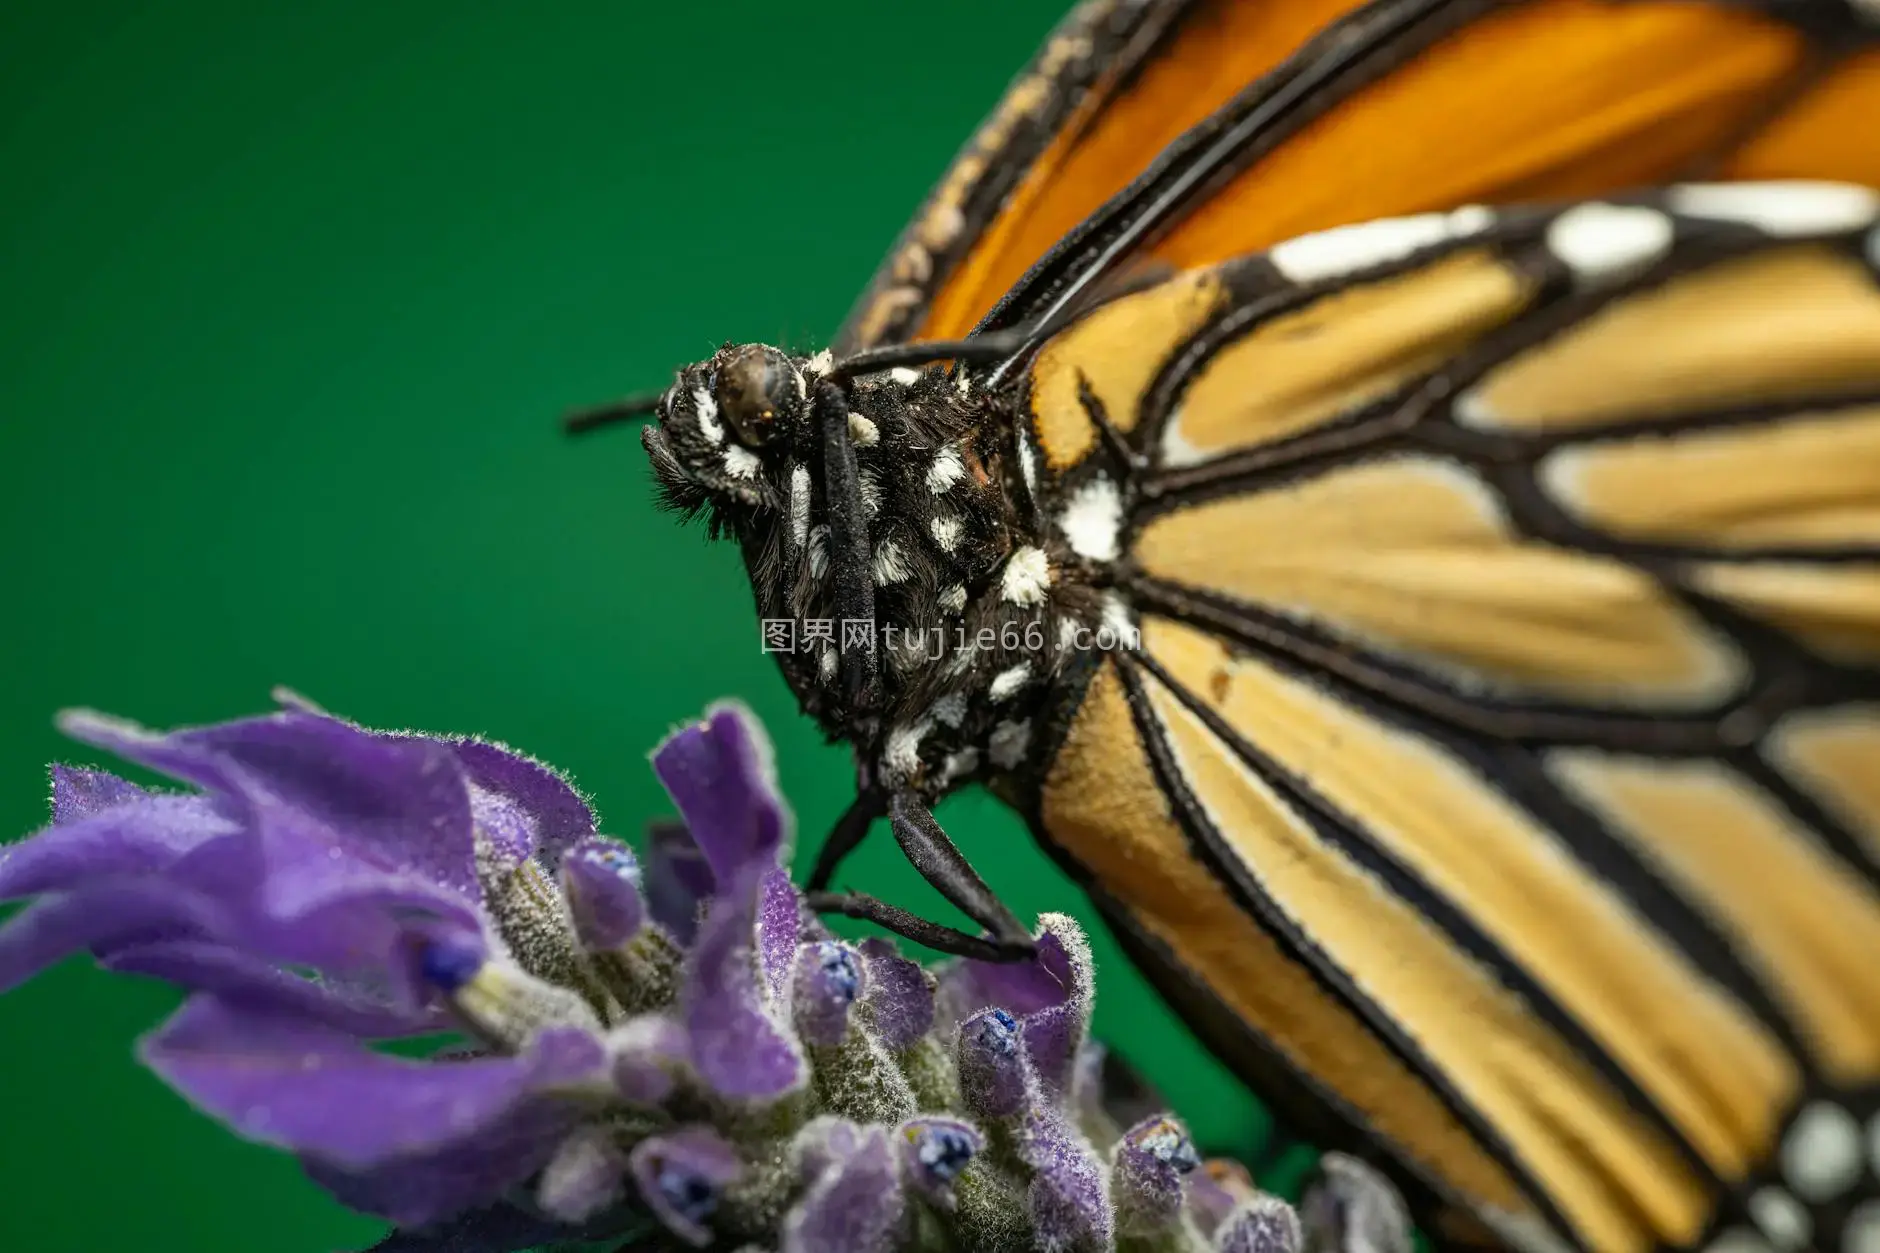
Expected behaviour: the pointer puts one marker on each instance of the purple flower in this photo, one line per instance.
(663, 1040)
(319, 892)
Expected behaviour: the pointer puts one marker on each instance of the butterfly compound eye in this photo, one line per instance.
(756, 387)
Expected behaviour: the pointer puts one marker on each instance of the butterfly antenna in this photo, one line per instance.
(992, 346)
(978, 349)
(629, 409)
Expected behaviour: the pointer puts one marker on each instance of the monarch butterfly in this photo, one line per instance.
(1391, 492)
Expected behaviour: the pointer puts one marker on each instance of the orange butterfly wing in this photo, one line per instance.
(1347, 113)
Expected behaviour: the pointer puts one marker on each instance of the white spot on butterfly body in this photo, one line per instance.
(826, 664)
(953, 598)
(1601, 242)
(950, 710)
(1821, 1154)
(741, 462)
(959, 765)
(1026, 578)
(889, 564)
(863, 433)
(707, 410)
(868, 483)
(946, 470)
(1093, 519)
(821, 363)
(1782, 1218)
(799, 505)
(1346, 249)
(904, 375)
(901, 756)
(1797, 207)
(946, 533)
(1009, 743)
(1006, 683)
(964, 384)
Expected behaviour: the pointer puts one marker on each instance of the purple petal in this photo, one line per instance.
(316, 1091)
(992, 1074)
(584, 1177)
(934, 1150)
(460, 1176)
(737, 1046)
(253, 985)
(325, 906)
(1024, 988)
(675, 878)
(399, 800)
(137, 835)
(647, 1052)
(103, 919)
(79, 793)
(1215, 1191)
(854, 1202)
(167, 754)
(828, 980)
(1265, 1224)
(556, 812)
(505, 832)
(1055, 1034)
(900, 996)
(1146, 1176)
(682, 1176)
(1069, 1197)
(1350, 1206)
(721, 777)
(779, 927)
(601, 879)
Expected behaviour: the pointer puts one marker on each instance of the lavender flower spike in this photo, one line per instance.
(663, 1041)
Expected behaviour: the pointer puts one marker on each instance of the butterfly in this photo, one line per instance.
(1391, 493)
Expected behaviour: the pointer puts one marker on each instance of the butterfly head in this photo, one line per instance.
(726, 429)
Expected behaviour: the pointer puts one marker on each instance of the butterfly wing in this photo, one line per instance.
(1176, 133)
(1498, 777)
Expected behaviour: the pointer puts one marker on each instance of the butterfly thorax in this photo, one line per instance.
(974, 611)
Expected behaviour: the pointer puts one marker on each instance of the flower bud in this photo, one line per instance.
(933, 1153)
(828, 982)
(992, 1075)
(1146, 1175)
(1265, 1224)
(601, 879)
(682, 1176)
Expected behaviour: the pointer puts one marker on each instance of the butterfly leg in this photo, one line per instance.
(939, 862)
(913, 927)
(933, 854)
(848, 543)
(845, 836)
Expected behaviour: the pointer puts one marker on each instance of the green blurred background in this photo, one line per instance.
(293, 294)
